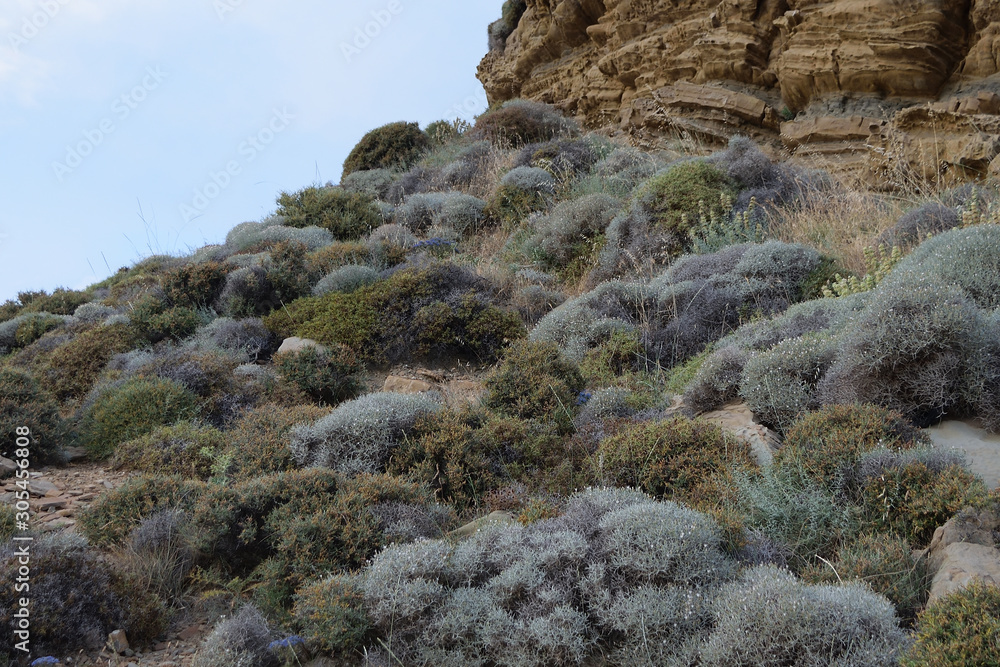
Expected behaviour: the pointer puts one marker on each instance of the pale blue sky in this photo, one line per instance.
(115, 115)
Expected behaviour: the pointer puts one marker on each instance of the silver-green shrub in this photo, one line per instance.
(93, 312)
(247, 336)
(768, 617)
(346, 279)
(358, 435)
(372, 182)
(569, 224)
(250, 233)
(531, 179)
(240, 641)
(717, 380)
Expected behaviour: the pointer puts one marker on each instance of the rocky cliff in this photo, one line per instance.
(912, 82)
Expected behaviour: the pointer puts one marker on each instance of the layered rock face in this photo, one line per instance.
(826, 77)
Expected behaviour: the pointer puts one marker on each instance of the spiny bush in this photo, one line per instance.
(328, 258)
(287, 271)
(131, 410)
(717, 380)
(25, 329)
(522, 122)
(828, 443)
(240, 641)
(535, 302)
(779, 385)
(768, 617)
(8, 522)
(247, 293)
(884, 562)
(371, 182)
(347, 215)
(93, 313)
(914, 492)
(675, 458)
(330, 612)
(155, 321)
(423, 310)
(910, 350)
(388, 245)
(327, 376)
(62, 301)
(534, 381)
(563, 158)
(675, 194)
(468, 165)
(71, 369)
(172, 450)
(567, 239)
(445, 212)
(916, 225)
(23, 403)
(958, 629)
(618, 173)
(262, 235)
(390, 146)
(77, 598)
(158, 554)
(461, 213)
(257, 442)
(247, 336)
(194, 285)
(359, 435)
(112, 517)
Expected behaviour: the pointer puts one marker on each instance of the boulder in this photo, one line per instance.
(401, 385)
(296, 344)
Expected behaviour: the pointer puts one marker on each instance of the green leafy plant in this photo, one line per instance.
(959, 629)
(393, 145)
(348, 215)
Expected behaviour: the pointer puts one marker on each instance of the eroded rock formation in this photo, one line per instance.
(827, 78)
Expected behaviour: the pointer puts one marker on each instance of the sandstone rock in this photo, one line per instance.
(961, 564)
(118, 642)
(737, 419)
(41, 487)
(711, 68)
(296, 344)
(402, 385)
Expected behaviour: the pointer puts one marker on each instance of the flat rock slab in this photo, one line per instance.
(296, 344)
(961, 564)
(981, 448)
(41, 487)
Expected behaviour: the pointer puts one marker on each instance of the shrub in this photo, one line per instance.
(331, 613)
(131, 410)
(618, 173)
(534, 302)
(247, 336)
(916, 225)
(287, 271)
(257, 443)
(522, 122)
(155, 322)
(418, 211)
(346, 279)
(61, 302)
(371, 182)
(461, 213)
(909, 350)
(328, 376)
(390, 146)
(468, 165)
(770, 618)
(261, 235)
(76, 598)
(572, 233)
(25, 329)
(958, 629)
(673, 196)
(828, 444)
(324, 260)
(240, 641)
(194, 285)
(564, 158)
(717, 380)
(93, 313)
(172, 450)
(247, 293)
(115, 514)
(8, 522)
(534, 381)
(72, 368)
(158, 554)
(779, 385)
(358, 436)
(389, 244)
(347, 215)
(886, 564)
(424, 310)
(914, 492)
(23, 403)
(532, 179)
(675, 458)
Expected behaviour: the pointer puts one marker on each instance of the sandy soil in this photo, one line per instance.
(981, 448)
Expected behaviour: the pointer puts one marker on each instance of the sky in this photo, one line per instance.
(138, 127)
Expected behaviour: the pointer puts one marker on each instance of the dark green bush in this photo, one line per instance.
(24, 403)
(677, 458)
(886, 563)
(434, 310)
(329, 376)
(195, 285)
(510, 205)
(110, 519)
(522, 122)
(348, 215)
(828, 443)
(959, 629)
(172, 450)
(534, 381)
(131, 410)
(61, 302)
(393, 145)
(288, 273)
(72, 368)
(330, 613)
(257, 443)
(336, 255)
(677, 194)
